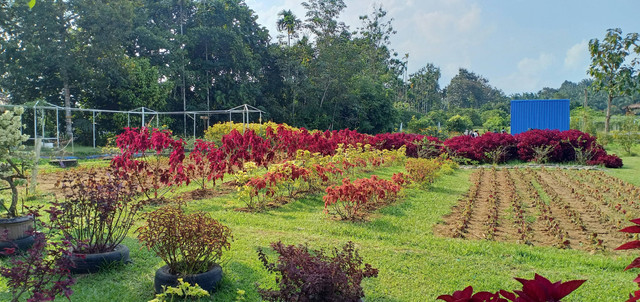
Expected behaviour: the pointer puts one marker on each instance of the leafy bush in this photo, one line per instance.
(458, 123)
(97, 211)
(43, 271)
(393, 141)
(206, 163)
(188, 243)
(306, 275)
(347, 200)
(248, 147)
(151, 172)
(423, 171)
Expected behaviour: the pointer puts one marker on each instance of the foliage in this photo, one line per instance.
(184, 290)
(97, 212)
(215, 132)
(495, 123)
(188, 243)
(42, 272)
(635, 229)
(14, 161)
(206, 163)
(608, 66)
(458, 123)
(629, 134)
(311, 275)
(150, 172)
(349, 199)
(248, 147)
(424, 171)
(540, 289)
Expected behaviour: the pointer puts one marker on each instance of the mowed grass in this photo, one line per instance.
(414, 265)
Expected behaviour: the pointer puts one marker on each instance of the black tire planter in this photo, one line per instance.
(92, 263)
(207, 280)
(22, 244)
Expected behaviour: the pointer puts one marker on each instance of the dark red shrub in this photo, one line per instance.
(528, 141)
(393, 141)
(462, 146)
(306, 275)
(571, 140)
(609, 161)
(495, 147)
(467, 295)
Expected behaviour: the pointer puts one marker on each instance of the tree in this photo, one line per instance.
(41, 54)
(289, 23)
(469, 90)
(608, 67)
(424, 91)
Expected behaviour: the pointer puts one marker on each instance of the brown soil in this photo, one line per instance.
(539, 235)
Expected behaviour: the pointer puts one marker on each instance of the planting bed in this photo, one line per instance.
(574, 209)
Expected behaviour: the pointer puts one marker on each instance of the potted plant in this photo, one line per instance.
(190, 244)
(96, 214)
(14, 162)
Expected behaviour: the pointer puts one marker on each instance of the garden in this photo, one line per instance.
(276, 213)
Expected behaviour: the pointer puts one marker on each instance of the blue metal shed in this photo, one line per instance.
(539, 114)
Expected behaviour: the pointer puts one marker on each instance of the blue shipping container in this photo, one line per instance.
(539, 114)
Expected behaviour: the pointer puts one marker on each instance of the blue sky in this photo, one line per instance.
(519, 45)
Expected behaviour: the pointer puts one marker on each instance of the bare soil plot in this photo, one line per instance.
(575, 209)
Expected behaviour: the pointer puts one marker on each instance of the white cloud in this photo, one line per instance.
(577, 56)
(530, 74)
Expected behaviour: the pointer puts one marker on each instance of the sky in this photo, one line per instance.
(518, 45)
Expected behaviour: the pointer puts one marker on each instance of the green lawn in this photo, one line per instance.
(414, 265)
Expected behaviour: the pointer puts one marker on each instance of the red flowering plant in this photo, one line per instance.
(462, 146)
(240, 148)
(143, 159)
(539, 289)
(206, 164)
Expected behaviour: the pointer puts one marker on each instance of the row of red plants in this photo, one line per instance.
(534, 145)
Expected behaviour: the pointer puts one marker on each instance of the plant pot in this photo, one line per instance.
(17, 227)
(207, 280)
(18, 236)
(92, 263)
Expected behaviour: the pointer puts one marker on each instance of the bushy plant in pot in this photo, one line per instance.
(14, 163)
(96, 214)
(191, 245)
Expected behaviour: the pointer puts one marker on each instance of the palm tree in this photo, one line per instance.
(288, 22)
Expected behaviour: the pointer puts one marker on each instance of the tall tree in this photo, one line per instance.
(288, 22)
(40, 51)
(608, 67)
(469, 90)
(424, 91)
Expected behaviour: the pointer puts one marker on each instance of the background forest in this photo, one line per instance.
(177, 55)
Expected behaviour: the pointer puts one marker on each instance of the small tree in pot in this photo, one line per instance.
(190, 244)
(14, 162)
(96, 213)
